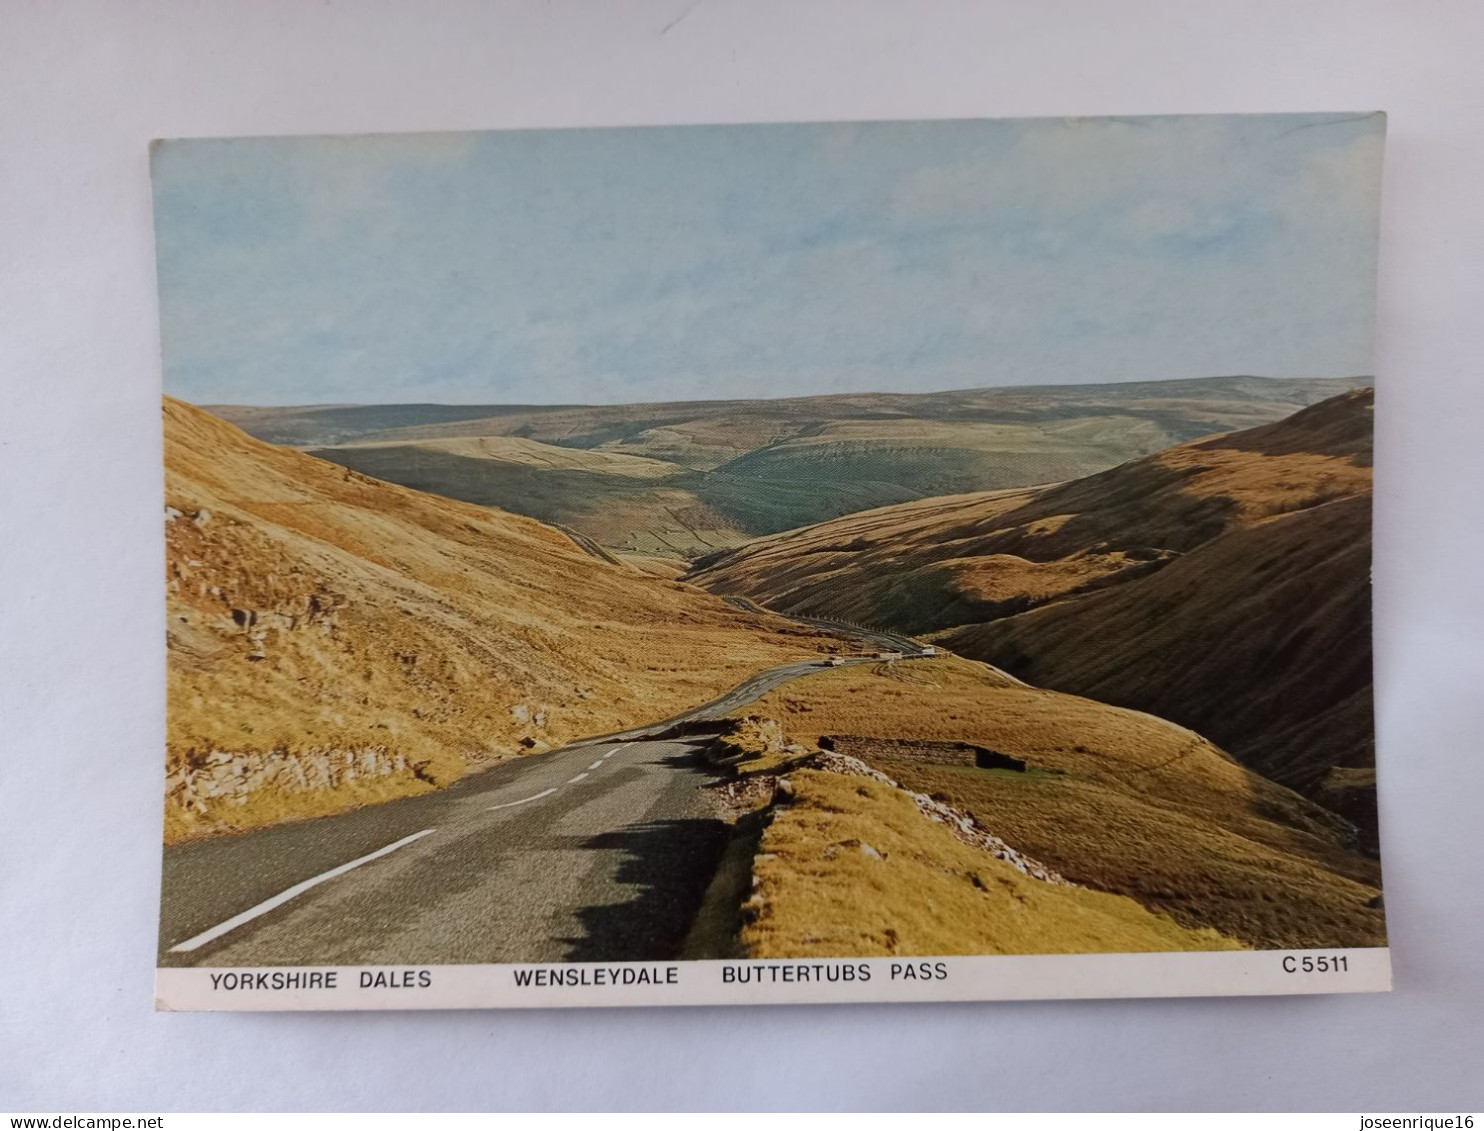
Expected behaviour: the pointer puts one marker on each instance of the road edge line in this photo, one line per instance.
(287, 894)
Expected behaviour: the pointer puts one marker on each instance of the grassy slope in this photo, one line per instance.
(1260, 639)
(372, 618)
(1116, 800)
(920, 891)
(1223, 583)
(941, 562)
(597, 494)
(938, 457)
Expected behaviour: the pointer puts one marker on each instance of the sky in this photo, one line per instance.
(668, 263)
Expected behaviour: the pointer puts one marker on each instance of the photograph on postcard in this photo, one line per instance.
(806, 562)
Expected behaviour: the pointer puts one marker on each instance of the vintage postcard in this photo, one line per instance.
(778, 563)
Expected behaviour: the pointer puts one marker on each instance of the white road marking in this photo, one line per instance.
(289, 893)
(612, 752)
(598, 765)
(523, 800)
(578, 778)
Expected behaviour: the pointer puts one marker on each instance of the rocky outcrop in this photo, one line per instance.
(960, 824)
(751, 738)
(212, 780)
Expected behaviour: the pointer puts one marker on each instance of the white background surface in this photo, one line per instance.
(84, 87)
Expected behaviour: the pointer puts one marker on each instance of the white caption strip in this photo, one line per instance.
(289, 893)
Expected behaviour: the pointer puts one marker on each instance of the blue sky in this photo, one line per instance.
(601, 266)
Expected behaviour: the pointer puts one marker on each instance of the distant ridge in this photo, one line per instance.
(318, 424)
(669, 483)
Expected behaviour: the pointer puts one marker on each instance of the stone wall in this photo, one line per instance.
(920, 750)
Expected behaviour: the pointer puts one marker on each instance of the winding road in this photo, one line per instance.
(599, 850)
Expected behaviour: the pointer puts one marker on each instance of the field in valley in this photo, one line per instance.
(679, 481)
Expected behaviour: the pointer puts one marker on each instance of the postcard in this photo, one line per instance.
(825, 562)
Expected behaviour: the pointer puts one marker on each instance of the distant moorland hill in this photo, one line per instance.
(1222, 584)
(670, 482)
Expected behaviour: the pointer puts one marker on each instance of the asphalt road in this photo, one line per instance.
(601, 850)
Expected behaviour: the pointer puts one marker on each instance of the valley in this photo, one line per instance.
(1222, 584)
(667, 483)
(1116, 699)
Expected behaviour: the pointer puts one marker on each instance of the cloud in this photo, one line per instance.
(654, 263)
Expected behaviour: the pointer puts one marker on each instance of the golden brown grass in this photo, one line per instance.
(955, 560)
(850, 867)
(1114, 799)
(1260, 639)
(312, 608)
(1222, 583)
(756, 741)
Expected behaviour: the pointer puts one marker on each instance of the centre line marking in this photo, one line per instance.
(612, 752)
(598, 765)
(289, 893)
(578, 778)
(523, 800)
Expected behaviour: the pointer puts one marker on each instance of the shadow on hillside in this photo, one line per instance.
(669, 864)
(1340, 426)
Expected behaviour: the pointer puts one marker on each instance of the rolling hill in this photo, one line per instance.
(1116, 801)
(1222, 584)
(682, 480)
(335, 640)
